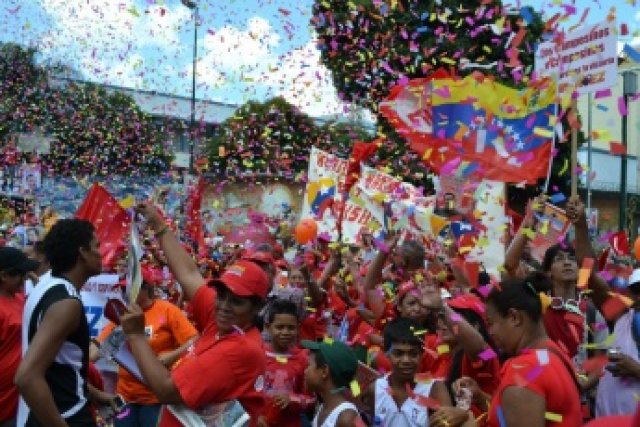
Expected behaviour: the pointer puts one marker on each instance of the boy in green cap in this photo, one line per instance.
(331, 369)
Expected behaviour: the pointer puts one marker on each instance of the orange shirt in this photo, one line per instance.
(166, 328)
(544, 373)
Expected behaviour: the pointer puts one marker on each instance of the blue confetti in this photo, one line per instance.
(557, 198)
(527, 14)
(631, 53)
(500, 414)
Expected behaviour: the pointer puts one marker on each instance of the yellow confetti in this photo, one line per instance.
(328, 340)
(565, 166)
(556, 418)
(355, 388)
(544, 227)
(529, 233)
(443, 349)
(281, 359)
(543, 132)
(128, 202)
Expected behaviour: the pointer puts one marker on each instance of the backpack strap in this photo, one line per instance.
(567, 364)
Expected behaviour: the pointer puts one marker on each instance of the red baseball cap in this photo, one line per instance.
(404, 289)
(245, 279)
(468, 302)
(259, 257)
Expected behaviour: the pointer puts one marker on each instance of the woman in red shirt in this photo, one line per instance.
(227, 363)
(538, 385)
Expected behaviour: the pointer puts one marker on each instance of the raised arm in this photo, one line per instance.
(516, 248)
(374, 275)
(576, 214)
(179, 261)
(472, 341)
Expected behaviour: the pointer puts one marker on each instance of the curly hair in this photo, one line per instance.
(63, 242)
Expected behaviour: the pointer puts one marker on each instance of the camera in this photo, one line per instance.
(614, 353)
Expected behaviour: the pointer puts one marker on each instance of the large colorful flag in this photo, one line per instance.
(110, 220)
(506, 132)
(474, 126)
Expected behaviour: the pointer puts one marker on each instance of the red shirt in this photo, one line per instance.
(10, 353)
(285, 374)
(544, 373)
(565, 329)
(219, 369)
(10, 156)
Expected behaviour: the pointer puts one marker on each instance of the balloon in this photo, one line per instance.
(636, 248)
(306, 230)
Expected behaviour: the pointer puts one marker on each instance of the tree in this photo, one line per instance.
(94, 132)
(20, 81)
(370, 46)
(274, 139)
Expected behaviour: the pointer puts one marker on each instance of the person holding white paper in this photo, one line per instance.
(169, 333)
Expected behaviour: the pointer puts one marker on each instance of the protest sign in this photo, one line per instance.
(379, 201)
(552, 227)
(94, 295)
(587, 57)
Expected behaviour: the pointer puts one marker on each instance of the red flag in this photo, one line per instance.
(109, 218)
(195, 228)
(360, 152)
(620, 243)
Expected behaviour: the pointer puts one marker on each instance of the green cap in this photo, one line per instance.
(341, 360)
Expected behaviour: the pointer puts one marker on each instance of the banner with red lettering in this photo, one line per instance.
(378, 201)
(109, 218)
(365, 206)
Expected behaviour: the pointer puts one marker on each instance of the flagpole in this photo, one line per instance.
(553, 144)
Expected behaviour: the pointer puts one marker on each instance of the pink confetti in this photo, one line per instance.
(487, 354)
(622, 106)
(603, 93)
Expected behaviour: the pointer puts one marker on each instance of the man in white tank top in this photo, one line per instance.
(400, 399)
(332, 367)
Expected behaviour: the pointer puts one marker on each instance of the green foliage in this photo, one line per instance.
(371, 46)
(94, 132)
(274, 139)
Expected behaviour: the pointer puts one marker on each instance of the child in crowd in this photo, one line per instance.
(286, 362)
(331, 369)
(401, 399)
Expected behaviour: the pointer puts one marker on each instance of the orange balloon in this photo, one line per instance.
(306, 231)
(636, 248)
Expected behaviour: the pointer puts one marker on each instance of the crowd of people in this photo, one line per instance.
(323, 334)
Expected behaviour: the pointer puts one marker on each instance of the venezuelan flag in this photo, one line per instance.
(505, 133)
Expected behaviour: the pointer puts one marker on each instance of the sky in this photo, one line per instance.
(247, 49)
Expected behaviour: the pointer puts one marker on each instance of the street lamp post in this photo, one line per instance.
(629, 87)
(191, 4)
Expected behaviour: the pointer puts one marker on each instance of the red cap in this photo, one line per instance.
(467, 302)
(245, 279)
(259, 257)
(405, 288)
